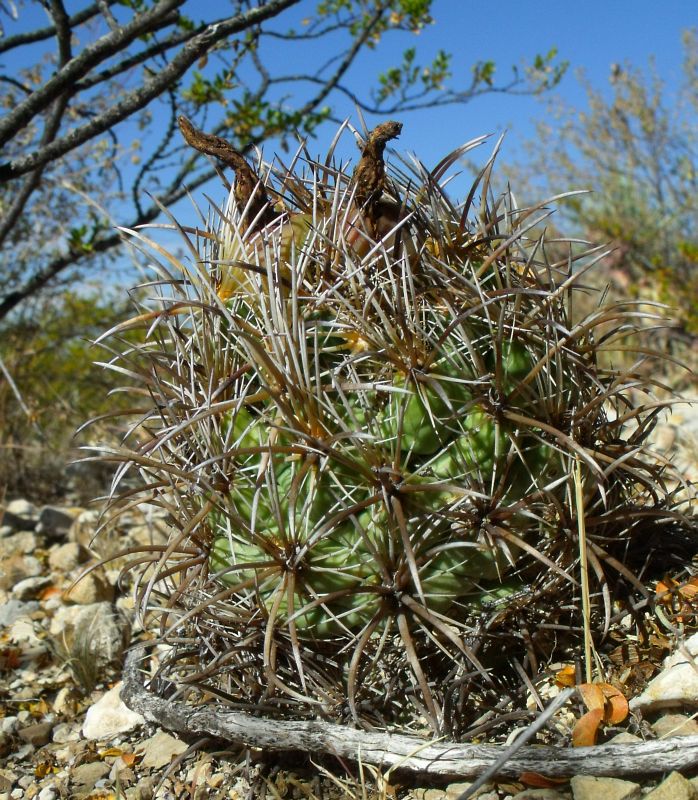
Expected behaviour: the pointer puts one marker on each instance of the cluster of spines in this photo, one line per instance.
(370, 423)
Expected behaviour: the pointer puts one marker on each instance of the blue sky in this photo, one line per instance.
(591, 35)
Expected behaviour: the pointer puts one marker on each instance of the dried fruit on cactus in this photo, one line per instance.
(371, 404)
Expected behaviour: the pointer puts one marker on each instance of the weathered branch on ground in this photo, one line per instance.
(399, 752)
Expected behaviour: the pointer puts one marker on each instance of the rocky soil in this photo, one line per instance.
(64, 732)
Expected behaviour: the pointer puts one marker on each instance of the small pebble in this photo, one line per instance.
(38, 734)
(672, 725)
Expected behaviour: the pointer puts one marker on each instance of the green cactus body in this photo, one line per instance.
(447, 441)
(515, 361)
(332, 570)
(430, 419)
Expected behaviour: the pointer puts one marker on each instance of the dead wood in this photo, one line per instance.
(399, 752)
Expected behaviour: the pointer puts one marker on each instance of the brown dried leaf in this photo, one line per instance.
(592, 696)
(10, 658)
(39, 709)
(567, 676)
(111, 751)
(587, 728)
(689, 590)
(663, 590)
(616, 709)
(541, 781)
(42, 769)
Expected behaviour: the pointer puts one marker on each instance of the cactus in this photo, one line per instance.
(371, 410)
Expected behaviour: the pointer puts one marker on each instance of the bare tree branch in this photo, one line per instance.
(156, 155)
(92, 55)
(62, 29)
(17, 84)
(103, 244)
(20, 39)
(152, 88)
(176, 190)
(60, 17)
(349, 58)
(107, 14)
(156, 49)
(417, 101)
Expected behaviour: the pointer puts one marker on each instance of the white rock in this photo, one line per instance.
(451, 792)
(64, 704)
(67, 556)
(31, 588)
(671, 725)
(96, 630)
(51, 602)
(84, 527)
(676, 684)
(7, 779)
(675, 787)
(23, 631)
(587, 787)
(16, 566)
(201, 771)
(88, 775)
(455, 790)
(20, 515)
(92, 588)
(22, 508)
(689, 647)
(14, 610)
(159, 750)
(20, 753)
(147, 534)
(66, 732)
(24, 542)
(110, 716)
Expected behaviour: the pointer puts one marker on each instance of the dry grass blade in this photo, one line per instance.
(583, 571)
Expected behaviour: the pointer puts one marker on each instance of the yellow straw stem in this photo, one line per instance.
(584, 568)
